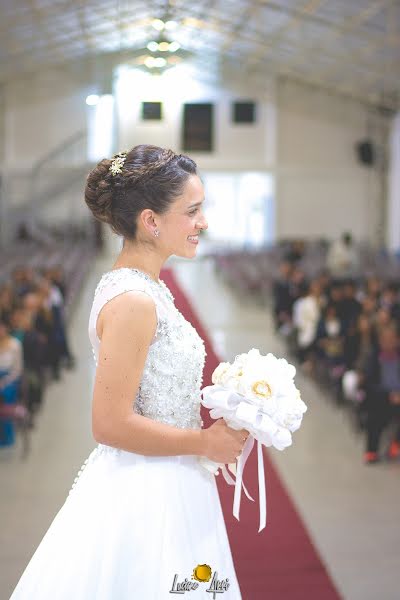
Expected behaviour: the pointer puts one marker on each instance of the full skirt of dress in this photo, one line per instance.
(133, 527)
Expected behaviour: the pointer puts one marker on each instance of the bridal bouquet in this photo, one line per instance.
(256, 393)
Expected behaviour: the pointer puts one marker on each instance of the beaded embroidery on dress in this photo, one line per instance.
(168, 396)
(135, 527)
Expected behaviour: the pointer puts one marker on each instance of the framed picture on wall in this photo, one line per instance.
(243, 112)
(151, 111)
(197, 130)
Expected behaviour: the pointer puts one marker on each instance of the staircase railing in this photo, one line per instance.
(24, 195)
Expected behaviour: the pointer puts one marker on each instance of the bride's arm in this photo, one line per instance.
(128, 325)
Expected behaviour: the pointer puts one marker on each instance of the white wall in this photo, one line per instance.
(41, 111)
(303, 136)
(236, 146)
(322, 190)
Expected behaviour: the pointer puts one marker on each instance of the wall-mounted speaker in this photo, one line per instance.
(365, 152)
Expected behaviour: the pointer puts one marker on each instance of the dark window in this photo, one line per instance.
(244, 112)
(197, 127)
(151, 111)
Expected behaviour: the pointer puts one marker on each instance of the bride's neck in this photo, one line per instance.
(150, 262)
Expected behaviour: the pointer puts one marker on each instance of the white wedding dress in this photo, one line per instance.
(135, 527)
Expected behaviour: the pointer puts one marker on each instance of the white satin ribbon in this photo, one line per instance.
(262, 499)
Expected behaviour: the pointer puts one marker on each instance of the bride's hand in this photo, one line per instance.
(223, 444)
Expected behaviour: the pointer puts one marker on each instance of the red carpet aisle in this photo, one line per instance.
(280, 562)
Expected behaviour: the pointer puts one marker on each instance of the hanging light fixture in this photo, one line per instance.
(163, 45)
(161, 52)
(158, 24)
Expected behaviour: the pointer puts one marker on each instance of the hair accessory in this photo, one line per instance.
(118, 162)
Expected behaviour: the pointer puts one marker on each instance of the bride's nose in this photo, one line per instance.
(202, 224)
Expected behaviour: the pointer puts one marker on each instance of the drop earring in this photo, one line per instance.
(156, 232)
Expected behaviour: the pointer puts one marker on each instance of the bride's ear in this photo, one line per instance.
(148, 219)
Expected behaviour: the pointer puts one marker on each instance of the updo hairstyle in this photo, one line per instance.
(151, 177)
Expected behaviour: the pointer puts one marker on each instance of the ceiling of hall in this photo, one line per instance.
(350, 46)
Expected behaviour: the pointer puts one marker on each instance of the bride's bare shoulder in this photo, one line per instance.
(130, 312)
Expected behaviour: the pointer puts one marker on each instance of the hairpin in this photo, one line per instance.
(118, 162)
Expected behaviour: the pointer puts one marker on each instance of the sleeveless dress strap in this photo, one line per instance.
(111, 285)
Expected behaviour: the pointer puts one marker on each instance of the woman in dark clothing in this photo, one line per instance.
(6, 301)
(283, 301)
(382, 393)
(33, 354)
(330, 338)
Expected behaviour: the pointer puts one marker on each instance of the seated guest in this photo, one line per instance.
(46, 324)
(11, 366)
(298, 284)
(373, 287)
(23, 279)
(330, 340)
(369, 305)
(295, 252)
(342, 257)
(6, 301)
(336, 297)
(55, 302)
(282, 298)
(325, 283)
(56, 276)
(36, 303)
(382, 393)
(390, 301)
(33, 358)
(382, 319)
(350, 306)
(306, 315)
(358, 347)
(358, 350)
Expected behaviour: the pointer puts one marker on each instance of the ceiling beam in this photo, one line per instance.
(293, 22)
(338, 31)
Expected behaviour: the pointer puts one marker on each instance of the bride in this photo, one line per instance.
(143, 519)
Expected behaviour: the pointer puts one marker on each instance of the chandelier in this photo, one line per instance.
(161, 52)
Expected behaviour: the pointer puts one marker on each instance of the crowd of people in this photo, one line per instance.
(33, 343)
(345, 327)
(349, 329)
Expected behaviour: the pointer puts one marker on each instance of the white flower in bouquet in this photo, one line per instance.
(256, 392)
(220, 371)
(264, 398)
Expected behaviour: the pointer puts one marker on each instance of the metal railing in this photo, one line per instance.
(25, 196)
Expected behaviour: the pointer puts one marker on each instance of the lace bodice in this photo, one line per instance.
(169, 390)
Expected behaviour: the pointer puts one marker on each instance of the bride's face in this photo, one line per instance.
(184, 219)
